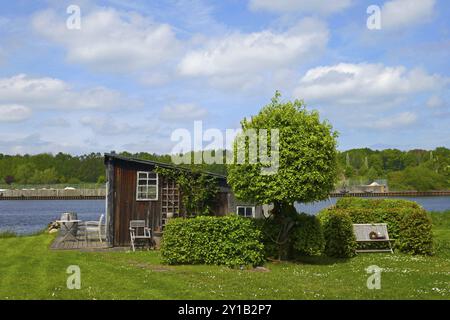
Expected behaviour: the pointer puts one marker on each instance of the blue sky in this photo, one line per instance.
(135, 71)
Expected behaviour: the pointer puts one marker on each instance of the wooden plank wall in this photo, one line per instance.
(126, 207)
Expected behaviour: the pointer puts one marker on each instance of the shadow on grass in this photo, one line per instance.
(317, 260)
(321, 260)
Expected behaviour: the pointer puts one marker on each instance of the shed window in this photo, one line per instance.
(246, 211)
(147, 186)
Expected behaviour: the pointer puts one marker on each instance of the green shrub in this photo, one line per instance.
(415, 234)
(355, 202)
(407, 222)
(231, 241)
(307, 236)
(269, 233)
(338, 233)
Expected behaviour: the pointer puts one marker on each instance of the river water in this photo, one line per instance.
(428, 203)
(28, 216)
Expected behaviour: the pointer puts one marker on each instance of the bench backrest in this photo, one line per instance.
(362, 231)
(137, 224)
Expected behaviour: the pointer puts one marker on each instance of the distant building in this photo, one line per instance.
(374, 187)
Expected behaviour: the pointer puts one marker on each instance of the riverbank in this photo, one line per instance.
(100, 193)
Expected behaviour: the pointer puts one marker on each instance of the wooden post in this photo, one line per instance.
(110, 203)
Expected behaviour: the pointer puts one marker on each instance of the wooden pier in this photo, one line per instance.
(53, 198)
(53, 194)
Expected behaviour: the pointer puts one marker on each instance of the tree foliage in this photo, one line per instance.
(307, 157)
(307, 168)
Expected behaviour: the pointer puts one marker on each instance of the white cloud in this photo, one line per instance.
(110, 40)
(56, 123)
(396, 121)
(304, 6)
(52, 93)
(246, 56)
(434, 102)
(182, 112)
(14, 113)
(364, 84)
(406, 13)
(106, 125)
(34, 143)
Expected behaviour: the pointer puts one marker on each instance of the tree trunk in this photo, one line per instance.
(283, 217)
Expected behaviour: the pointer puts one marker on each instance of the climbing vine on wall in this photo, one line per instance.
(198, 190)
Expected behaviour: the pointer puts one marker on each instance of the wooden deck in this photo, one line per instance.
(91, 244)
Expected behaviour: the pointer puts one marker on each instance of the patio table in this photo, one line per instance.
(69, 224)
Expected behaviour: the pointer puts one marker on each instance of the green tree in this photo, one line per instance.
(418, 178)
(9, 179)
(101, 180)
(46, 176)
(307, 161)
(25, 172)
(372, 175)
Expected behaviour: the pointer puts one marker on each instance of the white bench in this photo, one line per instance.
(370, 233)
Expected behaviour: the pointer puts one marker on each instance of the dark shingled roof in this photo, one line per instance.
(159, 164)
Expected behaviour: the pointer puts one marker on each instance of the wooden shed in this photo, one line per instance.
(136, 192)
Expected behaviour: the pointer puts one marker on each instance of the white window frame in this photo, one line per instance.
(147, 179)
(245, 207)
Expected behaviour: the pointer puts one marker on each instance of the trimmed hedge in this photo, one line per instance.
(308, 239)
(231, 241)
(407, 222)
(355, 202)
(416, 235)
(305, 238)
(340, 241)
(269, 231)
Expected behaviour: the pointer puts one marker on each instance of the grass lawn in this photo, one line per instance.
(29, 270)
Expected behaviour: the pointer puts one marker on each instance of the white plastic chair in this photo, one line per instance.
(94, 226)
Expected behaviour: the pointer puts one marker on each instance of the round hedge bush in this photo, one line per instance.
(338, 233)
(307, 236)
(416, 235)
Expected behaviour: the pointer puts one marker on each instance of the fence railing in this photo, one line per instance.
(51, 186)
(52, 193)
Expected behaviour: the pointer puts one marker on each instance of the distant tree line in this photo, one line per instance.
(404, 170)
(416, 169)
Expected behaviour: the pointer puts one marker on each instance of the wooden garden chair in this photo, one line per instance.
(139, 230)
